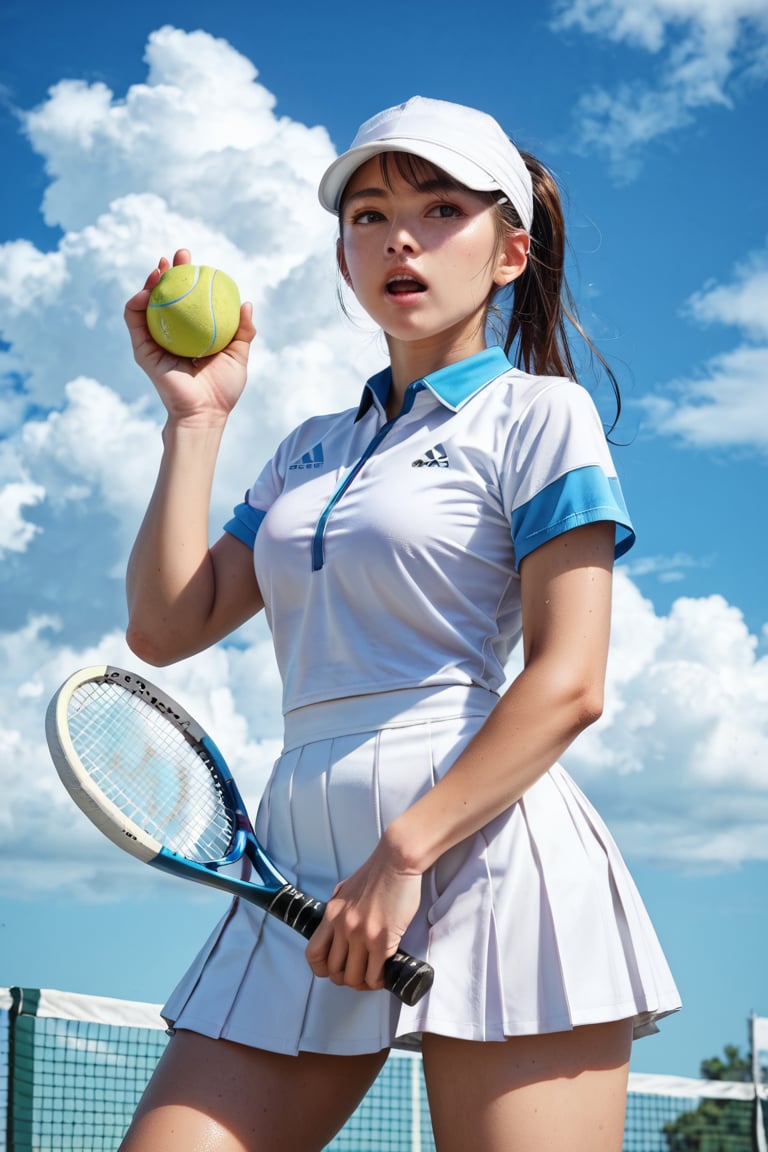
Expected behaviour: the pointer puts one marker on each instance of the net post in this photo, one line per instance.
(760, 1141)
(21, 1068)
(416, 1080)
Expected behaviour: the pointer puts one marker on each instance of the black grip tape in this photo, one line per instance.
(404, 976)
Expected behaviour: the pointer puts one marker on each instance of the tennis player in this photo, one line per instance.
(466, 502)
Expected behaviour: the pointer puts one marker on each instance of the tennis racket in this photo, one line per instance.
(151, 779)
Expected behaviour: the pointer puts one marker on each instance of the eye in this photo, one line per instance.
(367, 216)
(443, 211)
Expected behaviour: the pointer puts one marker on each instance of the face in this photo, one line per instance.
(423, 261)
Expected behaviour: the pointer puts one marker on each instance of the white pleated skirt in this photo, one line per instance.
(532, 925)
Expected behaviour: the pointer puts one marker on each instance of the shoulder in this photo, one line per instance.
(314, 430)
(526, 395)
(540, 411)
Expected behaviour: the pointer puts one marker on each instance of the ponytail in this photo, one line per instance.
(542, 304)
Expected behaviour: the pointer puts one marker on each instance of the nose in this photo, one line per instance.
(401, 236)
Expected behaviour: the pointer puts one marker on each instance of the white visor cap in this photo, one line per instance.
(467, 144)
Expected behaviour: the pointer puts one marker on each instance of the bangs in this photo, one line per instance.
(420, 174)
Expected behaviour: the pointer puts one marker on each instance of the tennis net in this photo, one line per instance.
(72, 1069)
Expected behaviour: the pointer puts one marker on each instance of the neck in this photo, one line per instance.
(414, 360)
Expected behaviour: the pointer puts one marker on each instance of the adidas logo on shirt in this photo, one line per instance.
(436, 457)
(312, 459)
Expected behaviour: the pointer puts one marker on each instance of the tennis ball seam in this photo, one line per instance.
(213, 316)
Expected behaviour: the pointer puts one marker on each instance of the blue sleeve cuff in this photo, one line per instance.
(245, 523)
(583, 496)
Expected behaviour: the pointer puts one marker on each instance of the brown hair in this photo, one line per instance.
(542, 303)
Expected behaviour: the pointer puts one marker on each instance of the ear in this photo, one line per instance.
(512, 258)
(341, 260)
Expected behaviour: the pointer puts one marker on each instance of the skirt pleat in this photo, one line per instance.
(532, 925)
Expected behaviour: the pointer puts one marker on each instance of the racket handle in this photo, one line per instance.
(408, 978)
(404, 976)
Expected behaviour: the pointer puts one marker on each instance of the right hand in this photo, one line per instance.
(196, 392)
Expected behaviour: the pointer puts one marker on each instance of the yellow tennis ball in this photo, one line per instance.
(193, 310)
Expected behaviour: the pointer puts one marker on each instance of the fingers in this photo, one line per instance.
(135, 315)
(136, 308)
(246, 332)
(364, 922)
(342, 955)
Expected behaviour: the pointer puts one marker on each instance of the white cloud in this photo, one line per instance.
(679, 762)
(15, 532)
(647, 23)
(678, 766)
(130, 178)
(703, 52)
(664, 568)
(97, 444)
(742, 303)
(200, 124)
(33, 664)
(720, 406)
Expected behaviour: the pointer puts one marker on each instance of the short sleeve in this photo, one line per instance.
(558, 471)
(245, 522)
(247, 516)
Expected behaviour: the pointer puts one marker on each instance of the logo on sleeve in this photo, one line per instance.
(436, 457)
(312, 459)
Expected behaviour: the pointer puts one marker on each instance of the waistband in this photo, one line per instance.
(396, 709)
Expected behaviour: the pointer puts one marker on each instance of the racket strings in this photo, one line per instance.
(153, 773)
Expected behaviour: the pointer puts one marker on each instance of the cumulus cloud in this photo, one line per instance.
(15, 532)
(193, 157)
(196, 155)
(678, 765)
(218, 688)
(679, 762)
(703, 53)
(717, 407)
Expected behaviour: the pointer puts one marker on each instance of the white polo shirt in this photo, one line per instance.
(388, 552)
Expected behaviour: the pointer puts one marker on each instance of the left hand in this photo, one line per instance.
(364, 922)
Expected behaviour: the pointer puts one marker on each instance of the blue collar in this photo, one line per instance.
(452, 386)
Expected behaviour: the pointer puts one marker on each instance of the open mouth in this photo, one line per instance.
(404, 285)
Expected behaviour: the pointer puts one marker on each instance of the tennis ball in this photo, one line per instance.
(193, 310)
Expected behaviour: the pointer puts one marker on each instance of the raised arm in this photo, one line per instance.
(183, 595)
(566, 599)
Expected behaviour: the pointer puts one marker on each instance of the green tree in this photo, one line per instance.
(717, 1125)
(736, 1067)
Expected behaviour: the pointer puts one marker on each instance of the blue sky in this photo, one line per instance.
(127, 131)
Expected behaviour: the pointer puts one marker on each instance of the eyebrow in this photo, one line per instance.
(364, 193)
(437, 184)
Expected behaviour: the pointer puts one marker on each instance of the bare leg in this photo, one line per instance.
(562, 1092)
(214, 1096)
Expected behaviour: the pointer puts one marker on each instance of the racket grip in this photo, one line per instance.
(408, 978)
(404, 976)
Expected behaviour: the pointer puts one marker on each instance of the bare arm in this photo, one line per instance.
(566, 598)
(183, 595)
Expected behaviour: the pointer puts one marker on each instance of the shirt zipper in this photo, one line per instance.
(318, 540)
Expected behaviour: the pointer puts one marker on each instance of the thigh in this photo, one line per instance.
(215, 1096)
(548, 1093)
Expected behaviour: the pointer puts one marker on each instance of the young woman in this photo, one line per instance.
(401, 549)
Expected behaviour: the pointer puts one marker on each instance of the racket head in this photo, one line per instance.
(141, 768)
